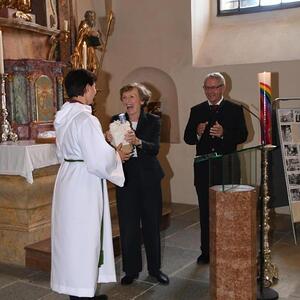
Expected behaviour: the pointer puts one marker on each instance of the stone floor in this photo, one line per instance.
(180, 248)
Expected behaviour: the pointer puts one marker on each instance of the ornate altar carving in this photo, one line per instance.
(19, 9)
(35, 92)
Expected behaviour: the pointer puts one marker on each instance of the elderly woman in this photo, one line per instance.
(81, 225)
(139, 202)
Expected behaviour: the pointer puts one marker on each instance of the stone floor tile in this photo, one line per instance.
(180, 249)
(55, 296)
(194, 271)
(173, 259)
(181, 221)
(22, 291)
(178, 289)
(11, 273)
(39, 279)
(189, 238)
(179, 209)
(116, 291)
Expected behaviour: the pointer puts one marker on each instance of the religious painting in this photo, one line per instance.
(44, 95)
(19, 103)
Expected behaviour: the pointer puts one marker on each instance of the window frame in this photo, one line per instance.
(256, 9)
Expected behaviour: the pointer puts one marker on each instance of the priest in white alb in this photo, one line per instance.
(82, 249)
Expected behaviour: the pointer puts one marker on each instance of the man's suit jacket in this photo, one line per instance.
(148, 131)
(229, 115)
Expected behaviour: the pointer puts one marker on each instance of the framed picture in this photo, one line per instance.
(44, 97)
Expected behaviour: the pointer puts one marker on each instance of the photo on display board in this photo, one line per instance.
(293, 164)
(286, 133)
(297, 115)
(291, 150)
(295, 193)
(295, 130)
(287, 115)
(294, 179)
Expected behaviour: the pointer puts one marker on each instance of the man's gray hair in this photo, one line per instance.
(216, 75)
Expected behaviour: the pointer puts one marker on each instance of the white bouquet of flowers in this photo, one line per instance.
(118, 130)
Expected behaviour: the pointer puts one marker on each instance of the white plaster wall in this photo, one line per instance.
(248, 38)
(200, 20)
(80, 7)
(158, 34)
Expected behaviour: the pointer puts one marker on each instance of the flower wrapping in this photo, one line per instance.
(118, 131)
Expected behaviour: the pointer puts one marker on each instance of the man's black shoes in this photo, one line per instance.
(128, 279)
(203, 259)
(160, 277)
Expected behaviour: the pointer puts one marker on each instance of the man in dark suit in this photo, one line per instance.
(216, 125)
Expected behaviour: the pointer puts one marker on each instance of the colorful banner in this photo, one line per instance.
(265, 107)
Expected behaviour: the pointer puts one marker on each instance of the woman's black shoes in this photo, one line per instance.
(128, 279)
(160, 277)
(101, 297)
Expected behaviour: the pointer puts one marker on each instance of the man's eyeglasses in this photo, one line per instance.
(210, 88)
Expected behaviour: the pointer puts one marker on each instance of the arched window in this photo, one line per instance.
(230, 7)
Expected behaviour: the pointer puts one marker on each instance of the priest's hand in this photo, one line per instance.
(108, 136)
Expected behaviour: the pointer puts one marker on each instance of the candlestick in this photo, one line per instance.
(6, 130)
(1, 54)
(84, 55)
(268, 271)
(265, 107)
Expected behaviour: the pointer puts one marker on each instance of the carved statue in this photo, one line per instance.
(8, 3)
(93, 40)
(22, 5)
(23, 8)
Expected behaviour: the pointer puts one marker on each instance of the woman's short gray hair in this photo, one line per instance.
(144, 93)
(216, 75)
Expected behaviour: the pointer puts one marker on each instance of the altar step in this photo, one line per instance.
(38, 255)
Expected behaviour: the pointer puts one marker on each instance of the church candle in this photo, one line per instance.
(66, 25)
(264, 79)
(1, 55)
(84, 55)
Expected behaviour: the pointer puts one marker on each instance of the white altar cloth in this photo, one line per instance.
(22, 157)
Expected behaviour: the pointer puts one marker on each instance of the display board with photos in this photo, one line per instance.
(288, 121)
